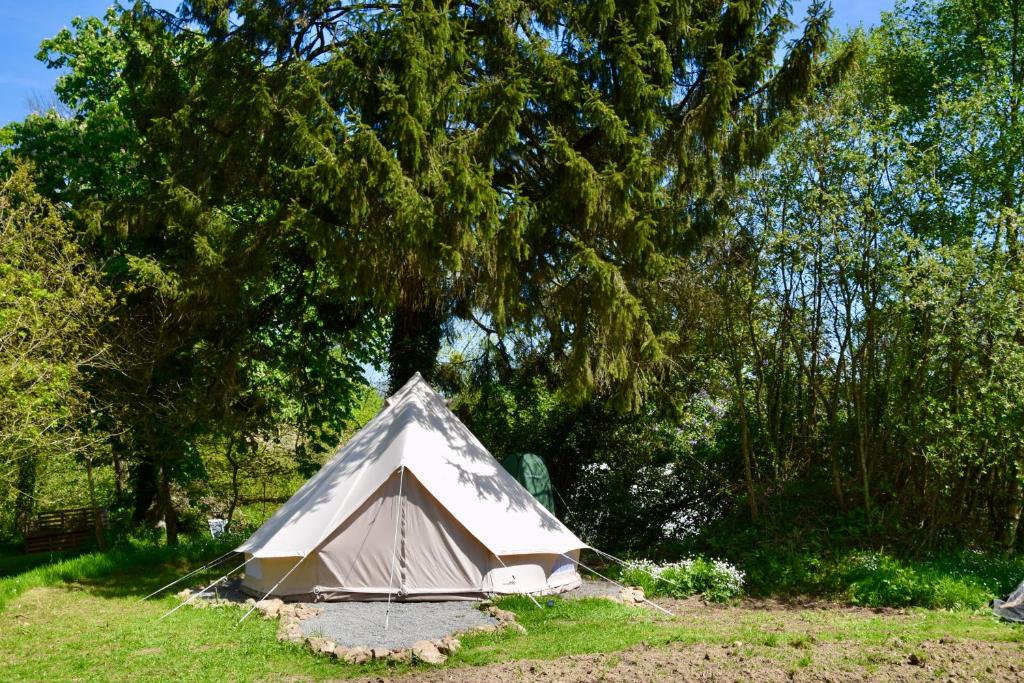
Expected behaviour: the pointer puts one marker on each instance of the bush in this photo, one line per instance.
(946, 580)
(952, 581)
(716, 580)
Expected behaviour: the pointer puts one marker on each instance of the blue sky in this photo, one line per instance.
(25, 83)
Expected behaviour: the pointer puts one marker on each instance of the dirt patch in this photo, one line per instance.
(697, 605)
(829, 662)
(788, 641)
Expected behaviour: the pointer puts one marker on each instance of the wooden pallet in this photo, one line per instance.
(62, 529)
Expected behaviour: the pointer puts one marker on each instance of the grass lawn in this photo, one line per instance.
(95, 628)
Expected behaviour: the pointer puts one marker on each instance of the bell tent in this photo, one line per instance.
(413, 507)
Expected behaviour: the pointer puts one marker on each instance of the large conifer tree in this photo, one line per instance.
(534, 162)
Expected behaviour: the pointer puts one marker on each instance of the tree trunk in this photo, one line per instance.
(1013, 510)
(748, 467)
(167, 506)
(833, 451)
(862, 448)
(233, 461)
(24, 503)
(415, 340)
(119, 476)
(97, 522)
(145, 490)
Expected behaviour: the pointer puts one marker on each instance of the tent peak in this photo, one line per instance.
(414, 382)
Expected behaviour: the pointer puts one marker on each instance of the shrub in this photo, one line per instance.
(716, 580)
(948, 582)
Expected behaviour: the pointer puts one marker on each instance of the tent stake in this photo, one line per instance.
(593, 571)
(203, 591)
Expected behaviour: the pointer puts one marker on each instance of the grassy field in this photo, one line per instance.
(82, 619)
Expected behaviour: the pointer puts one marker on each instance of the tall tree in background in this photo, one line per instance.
(529, 164)
(220, 327)
(867, 295)
(262, 182)
(52, 301)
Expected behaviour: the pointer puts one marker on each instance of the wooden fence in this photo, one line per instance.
(63, 529)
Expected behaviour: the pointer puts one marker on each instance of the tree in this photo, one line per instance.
(866, 295)
(51, 302)
(532, 165)
(223, 324)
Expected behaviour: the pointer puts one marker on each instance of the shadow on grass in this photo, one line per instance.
(126, 571)
(13, 561)
(138, 582)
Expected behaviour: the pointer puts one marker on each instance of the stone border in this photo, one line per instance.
(427, 651)
(288, 631)
(633, 595)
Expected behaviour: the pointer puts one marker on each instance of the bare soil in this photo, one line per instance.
(957, 662)
(803, 648)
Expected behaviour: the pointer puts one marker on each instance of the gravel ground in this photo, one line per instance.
(593, 588)
(362, 623)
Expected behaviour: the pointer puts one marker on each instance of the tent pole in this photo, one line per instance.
(193, 597)
(394, 544)
(593, 571)
(272, 589)
(208, 565)
(656, 577)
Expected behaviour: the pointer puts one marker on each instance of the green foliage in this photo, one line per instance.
(622, 480)
(859, 319)
(51, 302)
(961, 580)
(798, 548)
(878, 580)
(715, 580)
(537, 164)
(225, 330)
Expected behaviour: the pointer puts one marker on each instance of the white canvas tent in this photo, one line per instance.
(414, 507)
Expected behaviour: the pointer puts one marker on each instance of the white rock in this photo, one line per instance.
(320, 646)
(426, 651)
(449, 645)
(355, 655)
(270, 608)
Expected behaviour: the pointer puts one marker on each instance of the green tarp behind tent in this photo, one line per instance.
(530, 471)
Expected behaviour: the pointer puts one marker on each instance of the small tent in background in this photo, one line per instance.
(1011, 609)
(413, 506)
(530, 471)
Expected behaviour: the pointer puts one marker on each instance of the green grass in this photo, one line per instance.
(570, 627)
(82, 619)
(951, 580)
(13, 561)
(574, 627)
(130, 555)
(800, 547)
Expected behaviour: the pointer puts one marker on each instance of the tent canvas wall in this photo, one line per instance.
(412, 506)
